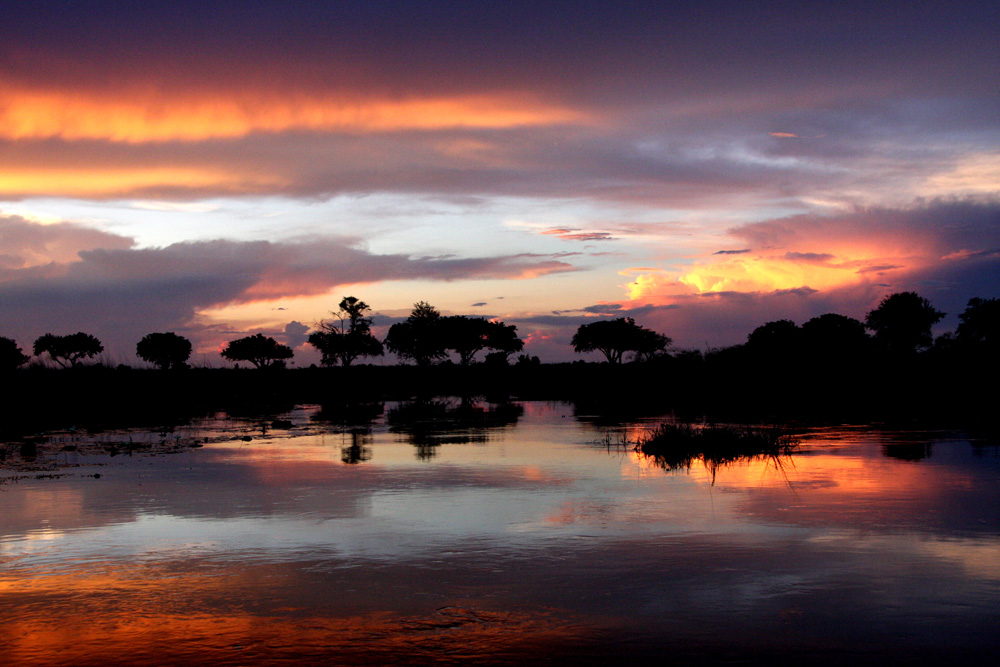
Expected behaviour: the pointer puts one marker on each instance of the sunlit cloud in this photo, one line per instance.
(978, 173)
(182, 207)
(125, 181)
(826, 253)
(578, 235)
(152, 117)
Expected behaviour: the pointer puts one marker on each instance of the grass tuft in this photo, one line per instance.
(678, 446)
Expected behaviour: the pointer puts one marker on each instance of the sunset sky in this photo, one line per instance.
(222, 168)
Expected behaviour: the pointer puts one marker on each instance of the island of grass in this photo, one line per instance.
(676, 446)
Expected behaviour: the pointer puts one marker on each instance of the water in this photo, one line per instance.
(447, 535)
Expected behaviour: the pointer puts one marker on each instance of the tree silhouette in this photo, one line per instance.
(349, 338)
(502, 338)
(613, 338)
(778, 337)
(979, 324)
(164, 350)
(468, 335)
(835, 337)
(11, 355)
(902, 323)
(68, 350)
(418, 338)
(262, 351)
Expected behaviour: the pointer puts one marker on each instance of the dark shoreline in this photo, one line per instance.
(900, 394)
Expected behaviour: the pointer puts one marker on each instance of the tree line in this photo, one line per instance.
(900, 326)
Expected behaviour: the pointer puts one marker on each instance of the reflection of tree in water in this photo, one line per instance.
(350, 415)
(613, 411)
(907, 451)
(676, 447)
(358, 450)
(426, 424)
(353, 418)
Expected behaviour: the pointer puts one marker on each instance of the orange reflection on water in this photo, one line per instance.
(92, 620)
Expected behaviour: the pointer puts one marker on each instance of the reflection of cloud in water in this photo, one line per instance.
(459, 553)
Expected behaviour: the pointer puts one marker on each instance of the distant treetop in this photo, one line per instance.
(902, 323)
(348, 338)
(613, 338)
(260, 350)
(68, 350)
(11, 355)
(419, 337)
(164, 350)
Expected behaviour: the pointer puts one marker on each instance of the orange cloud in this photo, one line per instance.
(764, 273)
(155, 117)
(111, 182)
(768, 273)
(820, 254)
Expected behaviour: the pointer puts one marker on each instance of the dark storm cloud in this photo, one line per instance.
(944, 226)
(24, 243)
(295, 334)
(575, 48)
(603, 308)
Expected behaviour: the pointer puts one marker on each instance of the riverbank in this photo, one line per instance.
(95, 397)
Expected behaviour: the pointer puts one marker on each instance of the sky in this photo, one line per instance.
(226, 168)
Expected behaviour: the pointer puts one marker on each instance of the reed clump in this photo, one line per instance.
(674, 446)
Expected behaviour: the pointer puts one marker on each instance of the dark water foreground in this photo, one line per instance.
(449, 533)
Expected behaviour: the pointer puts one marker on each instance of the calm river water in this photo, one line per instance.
(443, 533)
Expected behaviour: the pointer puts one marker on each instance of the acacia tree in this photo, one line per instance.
(350, 337)
(502, 338)
(68, 350)
(649, 344)
(468, 335)
(260, 350)
(613, 338)
(464, 335)
(164, 350)
(902, 322)
(11, 355)
(418, 338)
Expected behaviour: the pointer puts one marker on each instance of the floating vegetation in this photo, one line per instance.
(678, 446)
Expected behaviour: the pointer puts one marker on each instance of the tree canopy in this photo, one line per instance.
(419, 337)
(979, 323)
(468, 335)
(613, 338)
(348, 338)
(902, 322)
(11, 355)
(68, 350)
(164, 350)
(502, 339)
(777, 337)
(260, 350)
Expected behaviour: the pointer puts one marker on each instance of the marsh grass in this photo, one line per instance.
(678, 446)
